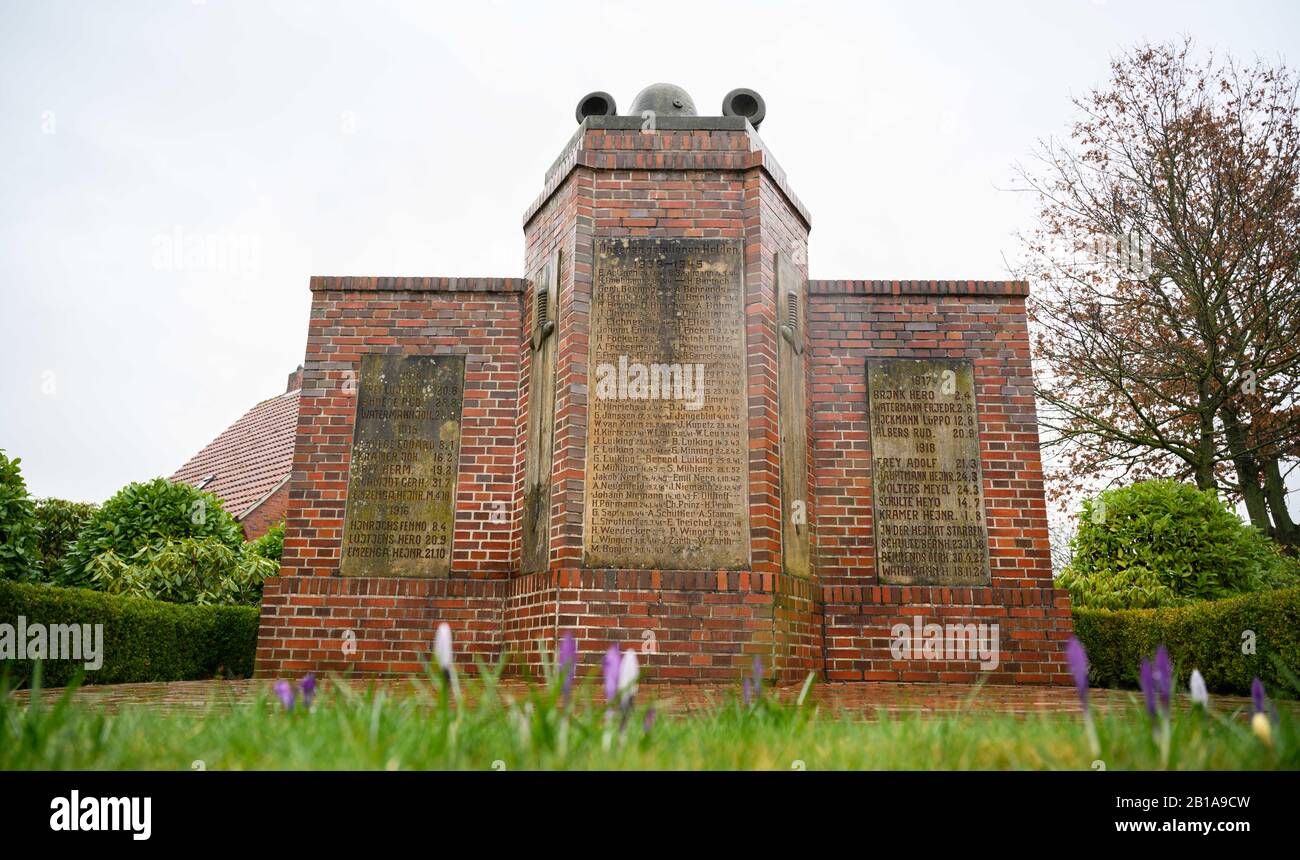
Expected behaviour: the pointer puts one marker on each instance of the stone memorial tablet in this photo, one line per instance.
(927, 488)
(401, 504)
(667, 444)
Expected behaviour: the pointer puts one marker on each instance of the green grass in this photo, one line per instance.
(370, 729)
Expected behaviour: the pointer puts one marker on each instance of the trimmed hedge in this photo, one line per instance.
(144, 640)
(1205, 636)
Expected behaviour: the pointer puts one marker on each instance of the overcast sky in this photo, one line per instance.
(407, 138)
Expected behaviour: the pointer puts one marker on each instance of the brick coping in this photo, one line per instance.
(415, 284)
(863, 287)
(816, 286)
(869, 698)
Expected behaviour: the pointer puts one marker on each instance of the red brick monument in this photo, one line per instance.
(665, 436)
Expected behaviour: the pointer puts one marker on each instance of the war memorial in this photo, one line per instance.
(664, 435)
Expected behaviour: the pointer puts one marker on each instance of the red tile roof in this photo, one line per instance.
(251, 458)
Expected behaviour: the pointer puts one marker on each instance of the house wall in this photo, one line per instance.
(260, 519)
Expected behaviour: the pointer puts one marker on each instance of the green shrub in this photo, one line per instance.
(18, 557)
(58, 522)
(269, 545)
(1163, 543)
(1209, 636)
(190, 570)
(146, 514)
(144, 640)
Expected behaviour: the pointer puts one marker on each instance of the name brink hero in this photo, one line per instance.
(637, 381)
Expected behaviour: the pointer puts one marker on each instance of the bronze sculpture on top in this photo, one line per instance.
(671, 100)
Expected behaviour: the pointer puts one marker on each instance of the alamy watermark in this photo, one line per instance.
(635, 380)
(131, 814)
(79, 642)
(186, 251)
(921, 641)
(1128, 255)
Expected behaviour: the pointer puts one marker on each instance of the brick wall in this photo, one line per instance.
(310, 613)
(985, 322)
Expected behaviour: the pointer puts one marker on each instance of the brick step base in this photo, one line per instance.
(685, 625)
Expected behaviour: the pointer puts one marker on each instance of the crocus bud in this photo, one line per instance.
(442, 648)
(609, 668)
(1147, 682)
(308, 687)
(567, 658)
(628, 671)
(1077, 659)
(1258, 698)
(1262, 728)
(1162, 672)
(284, 691)
(1200, 695)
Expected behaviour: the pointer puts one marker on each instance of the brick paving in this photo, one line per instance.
(864, 700)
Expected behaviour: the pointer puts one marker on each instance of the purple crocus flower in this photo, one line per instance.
(1077, 658)
(285, 692)
(568, 659)
(649, 722)
(308, 687)
(1162, 673)
(1146, 681)
(749, 695)
(610, 669)
(1258, 698)
(758, 677)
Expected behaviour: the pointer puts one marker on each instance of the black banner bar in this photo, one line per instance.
(292, 811)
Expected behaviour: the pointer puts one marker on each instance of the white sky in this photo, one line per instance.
(407, 138)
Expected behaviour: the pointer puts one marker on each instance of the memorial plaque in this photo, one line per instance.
(667, 441)
(401, 505)
(926, 481)
(793, 417)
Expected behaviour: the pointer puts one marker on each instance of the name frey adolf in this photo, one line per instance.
(133, 814)
(80, 642)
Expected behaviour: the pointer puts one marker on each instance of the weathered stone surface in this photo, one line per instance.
(793, 417)
(927, 487)
(541, 418)
(667, 460)
(401, 504)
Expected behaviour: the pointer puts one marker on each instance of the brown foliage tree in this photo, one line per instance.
(1166, 261)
